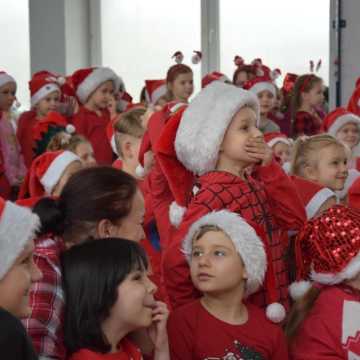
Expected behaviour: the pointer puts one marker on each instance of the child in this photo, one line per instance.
(345, 127)
(281, 146)
(45, 91)
(217, 140)
(214, 76)
(307, 96)
(243, 73)
(325, 320)
(128, 134)
(263, 87)
(12, 167)
(320, 158)
(94, 88)
(179, 82)
(81, 147)
(100, 314)
(155, 93)
(227, 264)
(17, 273)
(48, 174)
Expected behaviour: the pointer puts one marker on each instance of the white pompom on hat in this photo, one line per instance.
(17, 226)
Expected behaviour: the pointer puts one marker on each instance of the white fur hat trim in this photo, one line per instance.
(342, 121)
(6, 78)
(262, 86)
(317, 201)
(176, 213)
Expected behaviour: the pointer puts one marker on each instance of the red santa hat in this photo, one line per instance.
(125, 101)
(155, 89)
(86, 81)
(289, 82)
(204, 123)
(354, 101)
(45, 172)
(250, 247)
(273, 138)
(338, 118)
(328, 249)
(44, 83)
(313, 195)
(214, 76)
(18, 225)
(6, 78)
(110, 133)
(144, 148)
(262, 83)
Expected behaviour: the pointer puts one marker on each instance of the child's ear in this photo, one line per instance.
(310, 173)
(126, 149)
(104, 228)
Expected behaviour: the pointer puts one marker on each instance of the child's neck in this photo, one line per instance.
(263, 119)
(236, 168)
(129, 167)
(227, 307)
(306, 107)
(114, 333)
(92, 107)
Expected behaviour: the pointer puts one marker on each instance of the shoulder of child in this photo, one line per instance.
(184, 313)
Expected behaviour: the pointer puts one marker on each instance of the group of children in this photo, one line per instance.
(226, 226)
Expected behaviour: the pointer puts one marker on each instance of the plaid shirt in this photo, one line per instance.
(45, 324)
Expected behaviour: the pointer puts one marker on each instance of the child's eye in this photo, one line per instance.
(244, 128)
(138, 276)
(219, 253)
(196, 253)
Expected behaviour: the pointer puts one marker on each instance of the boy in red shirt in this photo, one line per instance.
(94, 88)
(227, 263)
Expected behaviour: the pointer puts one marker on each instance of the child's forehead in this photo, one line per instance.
(213, 237)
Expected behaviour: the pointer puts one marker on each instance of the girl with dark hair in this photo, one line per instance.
(179, 82)
(96, 202)
(108, 295)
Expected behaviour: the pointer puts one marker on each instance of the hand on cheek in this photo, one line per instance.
(259, 150)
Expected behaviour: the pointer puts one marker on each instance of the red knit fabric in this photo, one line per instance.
(306, 124)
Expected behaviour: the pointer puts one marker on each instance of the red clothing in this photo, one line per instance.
(306, 124)
(93, 127)
(26, 122)
(195, 334)
(332, 328)
(5, 187)
(45, 323)
(272, 202)
(128, 352)
(117, 164)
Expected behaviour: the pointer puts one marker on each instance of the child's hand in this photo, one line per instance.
(259, 150)
(157, 330)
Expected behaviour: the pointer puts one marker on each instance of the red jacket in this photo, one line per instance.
(272, 202)
(332, 328)
(93, 127)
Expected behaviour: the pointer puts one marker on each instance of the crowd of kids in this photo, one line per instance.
(223, 224)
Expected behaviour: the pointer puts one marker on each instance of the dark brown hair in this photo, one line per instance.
(90, 195)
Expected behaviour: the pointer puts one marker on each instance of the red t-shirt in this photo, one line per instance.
(128, 352)
(195, 334)
(332, 328)
(93, 127)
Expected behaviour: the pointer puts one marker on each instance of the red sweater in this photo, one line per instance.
(332, 328)
(195, 334)
(306, 124)
(271, 202)
(93, 127)
(26, 122)
(128, 352)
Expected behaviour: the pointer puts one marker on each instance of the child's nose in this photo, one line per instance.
(152, 288)
(256, 132)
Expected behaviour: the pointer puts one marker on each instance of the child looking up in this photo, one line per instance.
(227, 264)
(94, 88)
(325, 320)
(12, 167)
(308, 95)
(320, 158)
(100, 314)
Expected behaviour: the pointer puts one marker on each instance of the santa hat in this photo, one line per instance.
(354, 101)
(155, 89)
(214, 76)
(338, 118)
(6, 78)
(273, 138)
(354, 194)
(18, 225)
(144, 148)
(289, 82)
(353, 175)
(45, 129)
(313, 195)
(204, 123)
(327, 249)
(262, 83)
(110, 134)
(250, 247)
(124, 102)
(45, 172)
(86, 81)
(44, 83)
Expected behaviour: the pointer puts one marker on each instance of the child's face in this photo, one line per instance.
(315, 96)
(102, 96)
(7, 96)
(349, 134)
(331, 168)
(49, 103)
(241, 129)
(86, 154)
(282, 151)
(135, 303)
(15, 285)
(71, 169)
(215, 265)
(182, 87)
(241, 78)
(267, 101)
